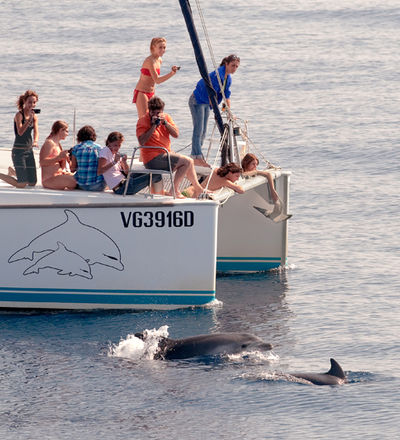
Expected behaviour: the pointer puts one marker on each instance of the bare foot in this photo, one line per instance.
(201, 163)
(178, 194)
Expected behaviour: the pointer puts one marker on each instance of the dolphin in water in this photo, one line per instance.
(90, 243)
(64, 261)
(335, 376)
(208, 345)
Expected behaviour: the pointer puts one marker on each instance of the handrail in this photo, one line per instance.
(151, 171)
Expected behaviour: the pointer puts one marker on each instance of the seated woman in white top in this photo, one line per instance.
(114, 168)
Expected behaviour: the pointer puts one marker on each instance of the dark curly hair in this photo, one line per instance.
(156, 103)
(228, 168)
(86, 133)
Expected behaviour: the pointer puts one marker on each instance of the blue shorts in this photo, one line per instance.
(99, 186)
(137, 181)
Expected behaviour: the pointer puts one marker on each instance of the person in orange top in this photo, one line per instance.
(154, 130)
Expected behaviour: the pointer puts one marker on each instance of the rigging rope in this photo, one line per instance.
(210, 49)
(229, 114)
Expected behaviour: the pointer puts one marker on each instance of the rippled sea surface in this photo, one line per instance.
(319, 84)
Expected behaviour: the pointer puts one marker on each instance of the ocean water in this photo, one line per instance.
(319, 85)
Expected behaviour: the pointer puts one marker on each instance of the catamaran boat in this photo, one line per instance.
(85, 250)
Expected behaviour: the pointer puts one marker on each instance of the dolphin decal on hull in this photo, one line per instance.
(64, 261)
(96, 247)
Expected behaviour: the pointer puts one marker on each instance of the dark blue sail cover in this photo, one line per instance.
(201, 62)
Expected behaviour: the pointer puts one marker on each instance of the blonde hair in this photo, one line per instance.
(22, 99)
(157, 40)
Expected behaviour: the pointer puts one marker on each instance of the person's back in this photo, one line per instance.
(84, 157)
(223, 177)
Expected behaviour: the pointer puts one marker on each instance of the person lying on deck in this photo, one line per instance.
(53, 160)
(223, 177)
(114, 168)
(249, 165)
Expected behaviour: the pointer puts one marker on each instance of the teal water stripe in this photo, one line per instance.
(246, 266)
(105, 299)
(249, 258)
(106, 291)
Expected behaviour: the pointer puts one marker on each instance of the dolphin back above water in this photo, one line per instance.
(208, 345)
(335, 376)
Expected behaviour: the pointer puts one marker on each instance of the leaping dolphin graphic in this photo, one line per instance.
(208, 345)
(335, 376)
(64, 261)
(90, 243)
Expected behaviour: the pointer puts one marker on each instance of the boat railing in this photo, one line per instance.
(145, 170)
(233, 144)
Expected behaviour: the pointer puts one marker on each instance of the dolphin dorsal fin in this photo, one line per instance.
(71, 216)
(336, 370)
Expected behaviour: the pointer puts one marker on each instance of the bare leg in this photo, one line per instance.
(274, 194)
(141, 104)
(62, 181)
(185, 167)
(141, 107)
(157, 187)
(11, 181)
(11, 172)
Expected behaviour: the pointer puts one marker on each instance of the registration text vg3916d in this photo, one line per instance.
(158, 219)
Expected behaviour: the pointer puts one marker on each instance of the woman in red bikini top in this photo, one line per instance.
(150, 75)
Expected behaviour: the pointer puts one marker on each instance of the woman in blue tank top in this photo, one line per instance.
(199, 103)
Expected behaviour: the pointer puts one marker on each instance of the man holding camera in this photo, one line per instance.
(154, 130)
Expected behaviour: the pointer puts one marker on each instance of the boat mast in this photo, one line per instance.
(201, 62)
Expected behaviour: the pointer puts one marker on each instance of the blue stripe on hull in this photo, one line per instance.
(246, 264)
(123, 298)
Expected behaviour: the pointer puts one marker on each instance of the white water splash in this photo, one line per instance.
(254, 356)
(136, 349)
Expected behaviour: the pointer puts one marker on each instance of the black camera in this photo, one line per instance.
(36, 110)
(157, 122)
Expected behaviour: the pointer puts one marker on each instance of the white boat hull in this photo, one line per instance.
(141, 257)
(81, 250)
(249, 241)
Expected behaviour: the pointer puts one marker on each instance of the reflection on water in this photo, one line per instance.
(254, 303)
